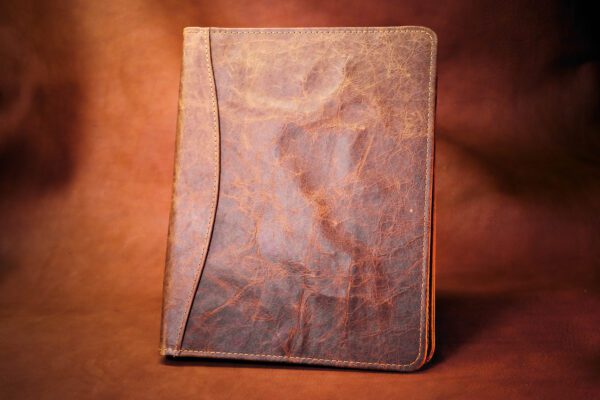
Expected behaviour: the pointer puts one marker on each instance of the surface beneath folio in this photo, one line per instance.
(301, 220)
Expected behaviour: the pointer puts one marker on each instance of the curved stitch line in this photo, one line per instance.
(427, 185)
(210, 223)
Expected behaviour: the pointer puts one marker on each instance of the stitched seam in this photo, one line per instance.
(288, 357)
(267, 31)
(215, 126)
(427, 188)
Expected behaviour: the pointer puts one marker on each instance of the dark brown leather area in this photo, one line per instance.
(320, 248)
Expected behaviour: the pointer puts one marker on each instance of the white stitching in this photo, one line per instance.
(427, 186)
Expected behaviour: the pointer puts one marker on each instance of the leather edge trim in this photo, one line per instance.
(426, 291)
(164, 331)
(431, 328)
(288, 359)
(314, 30)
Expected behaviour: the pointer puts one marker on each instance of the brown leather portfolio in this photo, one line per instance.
(302, 221)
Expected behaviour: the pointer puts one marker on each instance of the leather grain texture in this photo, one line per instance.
(301, 226)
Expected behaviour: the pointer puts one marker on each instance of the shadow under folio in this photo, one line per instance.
(461, 317)
(40, 98)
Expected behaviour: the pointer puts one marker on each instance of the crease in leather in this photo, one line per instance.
(426, 299)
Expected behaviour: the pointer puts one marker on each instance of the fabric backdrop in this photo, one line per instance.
(88, 99)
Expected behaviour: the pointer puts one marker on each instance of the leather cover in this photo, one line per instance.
(301, 226)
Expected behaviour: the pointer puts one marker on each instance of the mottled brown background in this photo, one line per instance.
(88, 96)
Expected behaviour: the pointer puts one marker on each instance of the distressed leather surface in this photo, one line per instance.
(321, 239)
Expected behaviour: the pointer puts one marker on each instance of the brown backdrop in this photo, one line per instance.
(88, 97)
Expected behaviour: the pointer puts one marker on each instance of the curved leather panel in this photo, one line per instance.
(196, 187)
